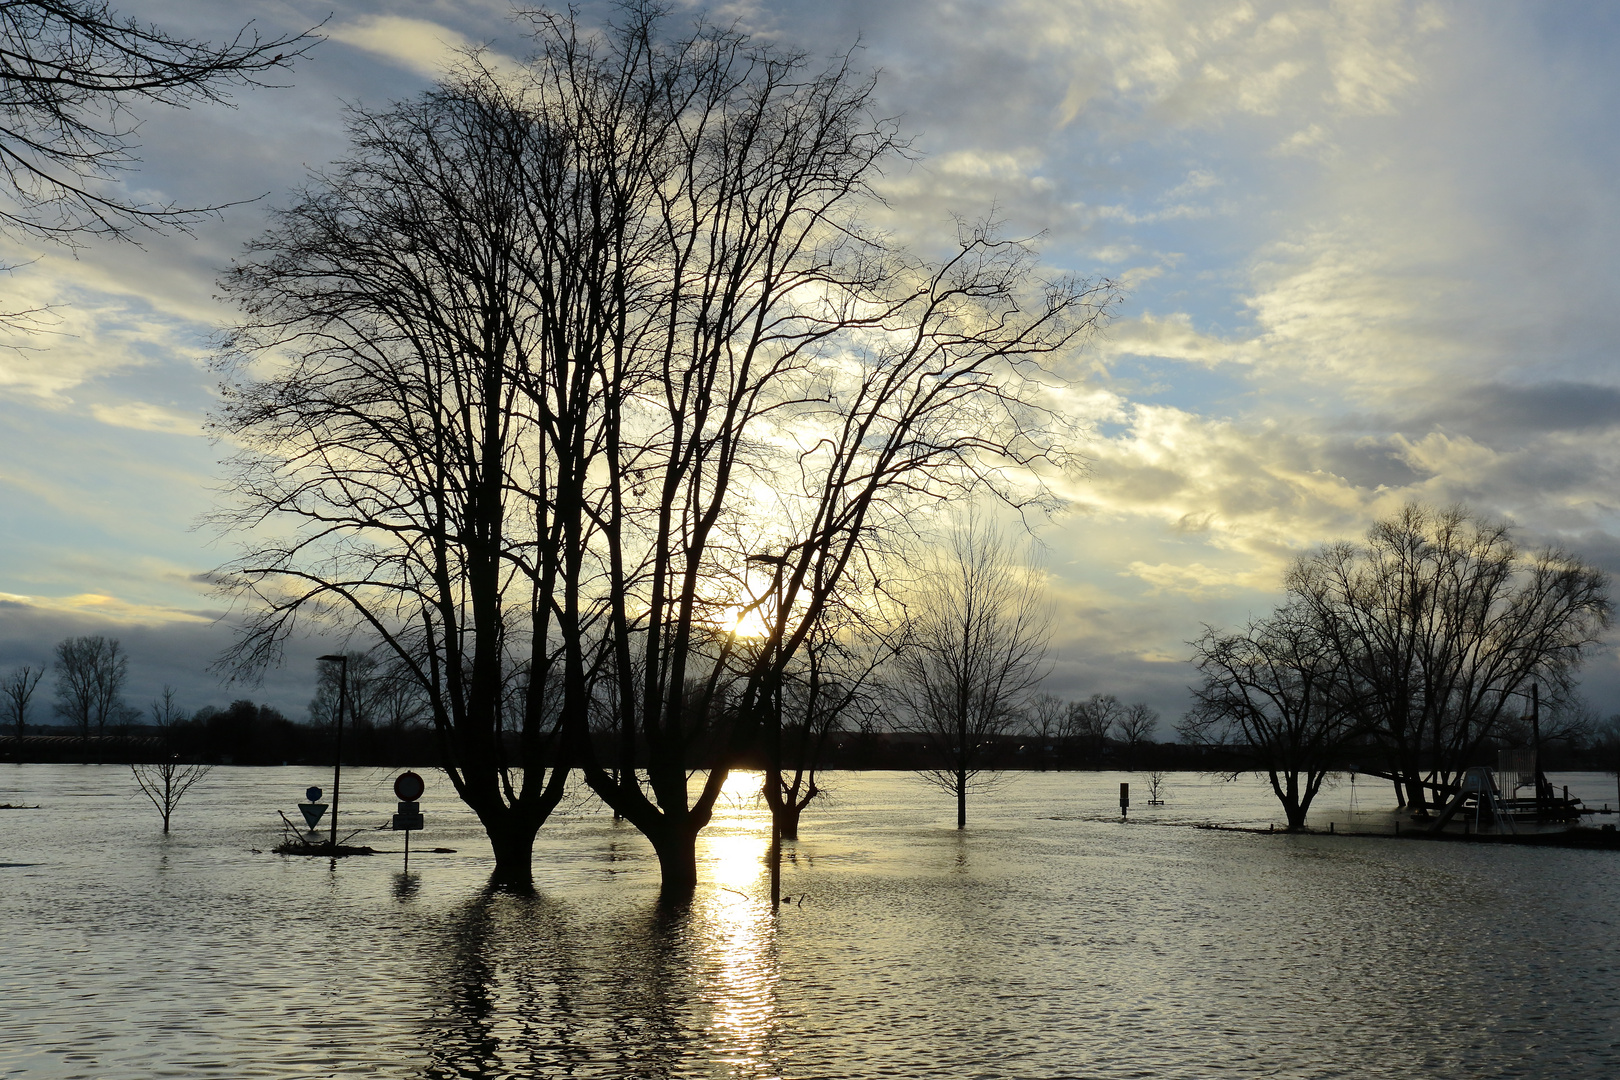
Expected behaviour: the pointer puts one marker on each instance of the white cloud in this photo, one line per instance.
(144, 416)
(424, 47)
(103, 608)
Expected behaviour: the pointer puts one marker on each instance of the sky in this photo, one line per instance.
(1368, 254)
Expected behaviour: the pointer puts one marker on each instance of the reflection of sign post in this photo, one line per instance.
(1124, 800)
(409, 787)
(313, 809)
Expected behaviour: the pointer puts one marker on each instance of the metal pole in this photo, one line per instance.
(773, 772)
(1535, 736)
(337, 757)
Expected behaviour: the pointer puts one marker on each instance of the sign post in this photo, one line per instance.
(1124, 801)
(408, 787)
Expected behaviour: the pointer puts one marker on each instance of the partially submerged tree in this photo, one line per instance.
(972, 653)
(90, 675)
(166, 782)
(1442, 624)
(384, 464)
(17, 692)
(1280, 695)
(832, 684)
(565, 348)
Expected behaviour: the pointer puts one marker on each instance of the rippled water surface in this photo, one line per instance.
(1049, 940)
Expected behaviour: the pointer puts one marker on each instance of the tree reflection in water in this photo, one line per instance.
(529, 985)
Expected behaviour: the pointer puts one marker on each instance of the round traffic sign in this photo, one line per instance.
(409, 787)
(312, 794)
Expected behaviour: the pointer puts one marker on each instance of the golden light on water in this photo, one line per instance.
(738, 928)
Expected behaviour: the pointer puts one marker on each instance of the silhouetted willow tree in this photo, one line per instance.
(1443, 623)
(971, 656)
(1421, 644)
(562, 349)
(385, 465)
(1279, 693)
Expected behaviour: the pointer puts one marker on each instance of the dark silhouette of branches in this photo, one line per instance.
(167, 782)
(563, 350)
(72, 73)
(1279, 694)
(1443, 624)
(1088, 724)
(972, 653)
(90, 675)
(17, 690)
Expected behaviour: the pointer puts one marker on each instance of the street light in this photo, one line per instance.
(337, 761)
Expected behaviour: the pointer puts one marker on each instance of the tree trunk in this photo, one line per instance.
(1416, 797)
(788, 819)
(513, 842)
(961, 798)
(677, 866)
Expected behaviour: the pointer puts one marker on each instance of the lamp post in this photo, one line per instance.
(773, 774)
(337, 758)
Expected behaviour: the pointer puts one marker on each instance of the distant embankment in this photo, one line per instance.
(76, 749)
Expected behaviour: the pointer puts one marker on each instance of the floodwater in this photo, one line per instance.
(1048, 940)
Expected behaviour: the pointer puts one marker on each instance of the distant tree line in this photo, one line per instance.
(384, 720)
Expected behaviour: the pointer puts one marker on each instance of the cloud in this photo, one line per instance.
(143, 416)
(427, 48)
(1196, 579)
(102, 608)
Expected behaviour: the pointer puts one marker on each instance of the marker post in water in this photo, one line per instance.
(408, 787)
(312, 809)
(1124, 801)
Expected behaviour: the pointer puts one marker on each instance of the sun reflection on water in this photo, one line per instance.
(734, 924)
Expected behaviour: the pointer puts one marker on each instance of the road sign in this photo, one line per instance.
(409, 787)
(312, 810)
(312, 794)
(407, 820)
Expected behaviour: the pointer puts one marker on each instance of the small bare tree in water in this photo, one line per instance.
(973, 650)
(166, 782)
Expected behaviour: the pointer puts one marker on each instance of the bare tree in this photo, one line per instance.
(1444, 624)
(568, 348)
(1136, 725)
(388, 446)
(71, 74)
(1044, 721)
(17, 689)
(167, 781)
(1279, 694)
(90, 675)
(1088, 724)
(973, 651)
(831, 682)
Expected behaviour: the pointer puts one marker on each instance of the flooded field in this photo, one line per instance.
(1049, 940)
